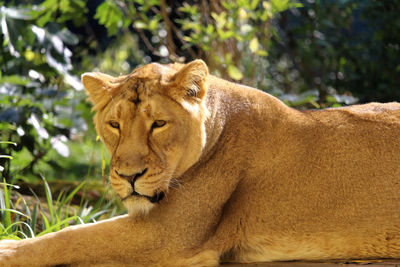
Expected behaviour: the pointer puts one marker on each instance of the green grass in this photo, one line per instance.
(30, 215)
(24, 216)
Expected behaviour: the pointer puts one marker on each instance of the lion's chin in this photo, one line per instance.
(138, 206)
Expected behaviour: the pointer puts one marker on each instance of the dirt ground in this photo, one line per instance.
(366, 263)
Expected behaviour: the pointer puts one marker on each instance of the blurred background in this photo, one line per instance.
(309, 53)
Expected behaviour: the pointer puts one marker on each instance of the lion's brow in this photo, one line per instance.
(134, 100)
(132, 86)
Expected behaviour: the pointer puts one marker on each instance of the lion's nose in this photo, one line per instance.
(131, 177)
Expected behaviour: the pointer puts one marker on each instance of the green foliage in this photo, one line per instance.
(22, 217)
(110, 16)
(225, 35)
(338, 49)
(6, 156)
(61, 11)
(38, 88)
(325, 50)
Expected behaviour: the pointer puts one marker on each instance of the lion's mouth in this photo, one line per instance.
(153, 199)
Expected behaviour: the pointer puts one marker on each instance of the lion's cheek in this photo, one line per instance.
(189, 151)
(109, 139)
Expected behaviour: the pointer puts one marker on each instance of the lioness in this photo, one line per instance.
(214, 171)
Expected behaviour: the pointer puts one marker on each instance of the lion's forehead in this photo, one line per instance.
(154, 71)
(134, 91)
(141, 91)
(143, 81)
(149, 104)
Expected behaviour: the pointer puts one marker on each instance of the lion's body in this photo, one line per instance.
(253, 180)
(318, 184)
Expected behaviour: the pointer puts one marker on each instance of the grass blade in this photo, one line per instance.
(45, 221)
(69, 197)
(49, 199)
(53, 227)
(19, 223)
(6, 212)
(34, 217)
(16, 212)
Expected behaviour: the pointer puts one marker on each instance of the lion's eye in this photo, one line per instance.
(158, 124)
(114, 124)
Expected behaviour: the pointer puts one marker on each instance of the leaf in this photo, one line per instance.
(68, 37)
(262, 53)
(254, 4)
(234, 73)
(188, 39)
(140, 25)
(254, 45)
(246, 28)
(186, 8)
(282, 5)
(210, 29)
(153, 24)
(20, 13)
(8, 142)
(223, 34)
(44, 19)
(228, 58)
(109, 15)
(14, 79)
(279, 5)
(220, 19)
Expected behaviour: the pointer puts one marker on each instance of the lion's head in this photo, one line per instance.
(152, 122)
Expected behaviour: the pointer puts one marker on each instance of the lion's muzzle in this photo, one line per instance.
(156, 198)
(131, 177)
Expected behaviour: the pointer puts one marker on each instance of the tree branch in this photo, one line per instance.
(143, 37)
(170, 41)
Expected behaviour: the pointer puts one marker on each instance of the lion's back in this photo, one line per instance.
(380, 111)
(375, 113)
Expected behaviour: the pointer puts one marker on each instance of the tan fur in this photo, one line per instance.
(246, 178)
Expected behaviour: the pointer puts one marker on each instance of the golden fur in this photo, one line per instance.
(245, 177)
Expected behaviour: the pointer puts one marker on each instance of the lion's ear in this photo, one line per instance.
(190, 81)
(98, 87)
